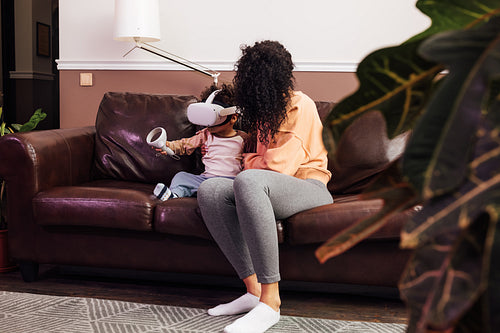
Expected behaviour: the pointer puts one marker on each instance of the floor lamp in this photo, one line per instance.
(138, 21)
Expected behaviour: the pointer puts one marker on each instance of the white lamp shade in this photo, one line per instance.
(137, 20)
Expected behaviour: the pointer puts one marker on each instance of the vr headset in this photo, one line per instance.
(208, 113)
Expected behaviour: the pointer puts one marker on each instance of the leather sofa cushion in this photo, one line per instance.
(182, 217)
(99, 204)
(319, 224)
(122, 124)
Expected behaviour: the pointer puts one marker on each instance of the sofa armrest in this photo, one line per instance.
(31, 162)
(39, 160)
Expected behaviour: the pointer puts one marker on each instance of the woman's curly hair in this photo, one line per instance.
(263, 85)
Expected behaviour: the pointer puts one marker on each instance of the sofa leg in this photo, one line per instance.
(29, 270)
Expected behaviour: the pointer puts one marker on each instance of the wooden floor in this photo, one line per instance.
(379, 306)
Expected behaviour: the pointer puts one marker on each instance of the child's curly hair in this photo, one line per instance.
(225, 97)
(263, 86)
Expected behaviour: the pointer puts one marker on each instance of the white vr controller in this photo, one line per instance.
(209, 114)
(157, 138)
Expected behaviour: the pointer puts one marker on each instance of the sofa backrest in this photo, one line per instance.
(122, 124)
(362, 153)
(124, 120)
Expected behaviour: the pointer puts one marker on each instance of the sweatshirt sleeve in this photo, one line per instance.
(284, 155)
(186, 146)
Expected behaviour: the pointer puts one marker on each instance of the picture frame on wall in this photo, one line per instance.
(42, 39)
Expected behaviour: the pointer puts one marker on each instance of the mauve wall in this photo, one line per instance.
(79, 104)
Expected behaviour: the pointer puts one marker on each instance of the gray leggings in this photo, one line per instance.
(241, 215)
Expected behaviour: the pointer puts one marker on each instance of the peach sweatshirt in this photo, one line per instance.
(298, 148)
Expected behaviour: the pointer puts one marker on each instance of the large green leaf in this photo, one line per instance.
(478, 156)
(492, 296)
(437, 154)
(448, 276)
(483, 315)
(454, 14)
(450, 281)
(397, 81)
(422, 274)
(394, 81)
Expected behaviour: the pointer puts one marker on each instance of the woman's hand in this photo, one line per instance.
(204, 150)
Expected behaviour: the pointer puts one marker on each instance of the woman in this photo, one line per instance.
(287, 174)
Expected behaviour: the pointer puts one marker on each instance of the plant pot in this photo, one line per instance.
(5, 263)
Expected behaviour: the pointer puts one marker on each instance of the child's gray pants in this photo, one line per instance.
(241, 215)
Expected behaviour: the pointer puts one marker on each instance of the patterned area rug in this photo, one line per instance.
(25, 313)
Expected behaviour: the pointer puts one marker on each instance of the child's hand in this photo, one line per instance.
(159, 151)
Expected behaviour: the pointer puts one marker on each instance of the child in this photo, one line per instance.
(221, 147)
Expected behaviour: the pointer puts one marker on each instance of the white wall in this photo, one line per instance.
(322, 35)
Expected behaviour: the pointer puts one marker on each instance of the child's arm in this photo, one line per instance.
(187, 146)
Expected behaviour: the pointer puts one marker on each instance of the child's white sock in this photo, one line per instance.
(242, 304)
(259, 320)
(162, 192)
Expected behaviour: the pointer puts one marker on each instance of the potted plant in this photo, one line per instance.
(450, 168)
(38, 115)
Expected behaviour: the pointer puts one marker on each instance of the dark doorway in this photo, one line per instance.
(8, 61)
(24, 92)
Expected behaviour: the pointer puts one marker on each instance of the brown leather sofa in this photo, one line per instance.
(83, 197)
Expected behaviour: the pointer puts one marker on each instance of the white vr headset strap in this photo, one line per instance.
(228, 111)
(212, 96)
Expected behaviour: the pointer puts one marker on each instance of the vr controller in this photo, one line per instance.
(157, 138)
(209, 114)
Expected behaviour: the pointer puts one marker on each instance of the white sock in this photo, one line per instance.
(162, 192)
(259, 320)
(242, 304)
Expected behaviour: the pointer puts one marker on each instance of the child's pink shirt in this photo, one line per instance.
(223, 157)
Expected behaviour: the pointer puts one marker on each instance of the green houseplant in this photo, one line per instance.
(450, 167)
(38, 115)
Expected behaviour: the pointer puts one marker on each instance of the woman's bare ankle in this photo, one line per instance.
(274, 303)
(255, 291)
(253, 286)
(271, 295)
